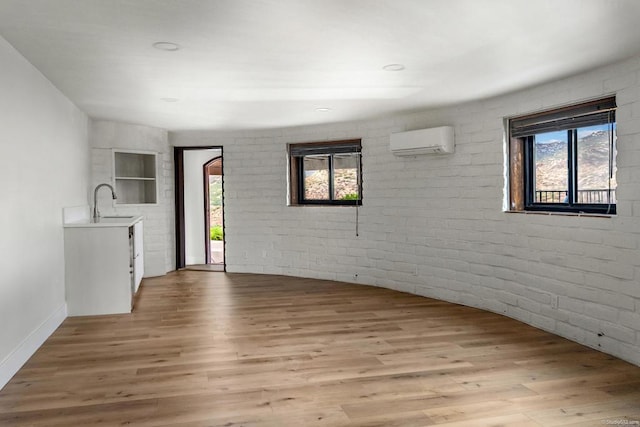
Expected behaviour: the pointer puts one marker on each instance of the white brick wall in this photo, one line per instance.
(159, 246)
(434, 225)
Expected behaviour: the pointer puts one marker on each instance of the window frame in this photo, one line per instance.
(522, 131)
(297, 152)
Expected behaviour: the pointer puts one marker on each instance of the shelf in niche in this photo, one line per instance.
(135, 177)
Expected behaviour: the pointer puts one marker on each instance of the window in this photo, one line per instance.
(326, 173)
(565, 160)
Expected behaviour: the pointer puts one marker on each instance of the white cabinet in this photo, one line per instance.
(137, 263)
(104, 266)
(135, 177)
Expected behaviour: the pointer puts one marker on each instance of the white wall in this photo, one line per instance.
(159, 238)
(194, 204)
(434, 225)
(44, 166)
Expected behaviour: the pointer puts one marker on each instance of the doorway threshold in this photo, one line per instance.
(205, 267)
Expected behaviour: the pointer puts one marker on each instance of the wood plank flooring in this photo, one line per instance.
(215, 349)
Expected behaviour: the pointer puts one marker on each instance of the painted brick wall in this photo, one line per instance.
(435, 225)
(158, 219)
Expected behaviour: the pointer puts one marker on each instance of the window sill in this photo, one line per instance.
(549, 213)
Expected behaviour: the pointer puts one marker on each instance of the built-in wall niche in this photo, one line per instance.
(135, 177)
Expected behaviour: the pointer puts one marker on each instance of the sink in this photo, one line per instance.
(118, 216)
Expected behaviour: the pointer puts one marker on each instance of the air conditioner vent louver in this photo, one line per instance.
(423, 141)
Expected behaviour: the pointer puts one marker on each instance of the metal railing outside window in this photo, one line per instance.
(584, 196)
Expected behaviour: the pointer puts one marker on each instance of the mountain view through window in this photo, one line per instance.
(596, 181)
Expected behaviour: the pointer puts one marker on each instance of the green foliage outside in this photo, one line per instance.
(215, 191)
(215, 205)
(350, 196)
(216, 233)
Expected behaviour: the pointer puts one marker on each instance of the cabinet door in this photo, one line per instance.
(138, 254)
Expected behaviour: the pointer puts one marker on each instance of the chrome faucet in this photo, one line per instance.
(96, 212)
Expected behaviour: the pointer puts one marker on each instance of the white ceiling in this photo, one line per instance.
(246, 64)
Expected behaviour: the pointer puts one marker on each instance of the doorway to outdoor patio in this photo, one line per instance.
(199, 208)
(214, 246)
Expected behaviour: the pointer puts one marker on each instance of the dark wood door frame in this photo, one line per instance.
(207, 213)
(206, 173)
(178, 158)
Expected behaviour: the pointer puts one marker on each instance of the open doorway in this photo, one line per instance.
(214, 223)
(199, 208)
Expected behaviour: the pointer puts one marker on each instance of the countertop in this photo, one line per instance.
(106, 221)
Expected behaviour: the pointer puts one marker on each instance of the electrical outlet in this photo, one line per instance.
(554, 301)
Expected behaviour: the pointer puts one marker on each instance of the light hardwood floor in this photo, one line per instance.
(215, 349)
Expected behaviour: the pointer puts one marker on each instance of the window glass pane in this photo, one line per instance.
(316, 177)
(345, 177)
(551, 168)
(596, 180)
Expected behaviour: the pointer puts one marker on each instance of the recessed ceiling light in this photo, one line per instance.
(393, 67)
(168, 46)
(169, 99)
(323, 109)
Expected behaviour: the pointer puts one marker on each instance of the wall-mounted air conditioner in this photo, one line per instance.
(423, 141)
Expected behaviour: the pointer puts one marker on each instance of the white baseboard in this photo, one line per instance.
(19, 356)
(154, 266)
(194, 260)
